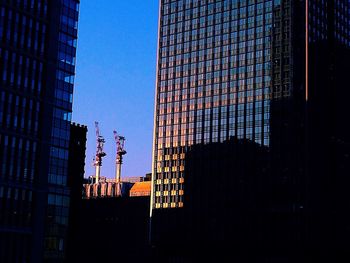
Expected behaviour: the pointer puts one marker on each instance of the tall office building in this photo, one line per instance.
(37, 66)
(240, 68)
(213, 82)
(273, 73)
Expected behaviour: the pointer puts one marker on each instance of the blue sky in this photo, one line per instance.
(115, 79)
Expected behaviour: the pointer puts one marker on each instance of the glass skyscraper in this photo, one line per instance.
(37, 66)
(213, 82)
(222, 66)
(253, 72)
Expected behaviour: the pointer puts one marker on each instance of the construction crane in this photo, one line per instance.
(120, 143)
(99, 152)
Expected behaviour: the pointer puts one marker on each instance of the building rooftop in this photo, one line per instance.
(141, 189)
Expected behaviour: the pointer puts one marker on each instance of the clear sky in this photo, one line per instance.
(115, 80)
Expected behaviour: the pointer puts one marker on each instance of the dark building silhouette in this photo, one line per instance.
(37, 68)
(309, 138)
(226, 195)
(226, 199)
(328, 137)
(235, 210)
(111, 230)
(76, 171)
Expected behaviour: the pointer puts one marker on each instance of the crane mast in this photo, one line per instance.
(99, 153)
(120, 143)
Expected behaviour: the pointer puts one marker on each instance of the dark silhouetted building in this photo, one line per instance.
(111, 230)
(233, 210)
(226, 195)
(76, 171)
(37, 67)
(105, 227)
(309, 139)
(328, 134)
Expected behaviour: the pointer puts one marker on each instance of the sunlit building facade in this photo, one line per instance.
(213, 82)
(37, 67)
(276, 74)
(222, 67)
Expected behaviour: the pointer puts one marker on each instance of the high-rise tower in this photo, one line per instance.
(37, 67)
(249, 69)
(272, 73)
(213, 82)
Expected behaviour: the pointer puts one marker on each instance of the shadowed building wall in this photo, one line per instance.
(37, 67)
(111, 230)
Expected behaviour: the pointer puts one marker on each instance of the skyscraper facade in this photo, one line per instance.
(37, 66)
(328, 135)
(225, 66)
(272, 73)
(213, 82)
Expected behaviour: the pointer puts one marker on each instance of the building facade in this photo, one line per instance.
(111, 230)
(253, 70)
(37, 67)
(272, 73)
(76, 171)
(213, 82)
(328, 134)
